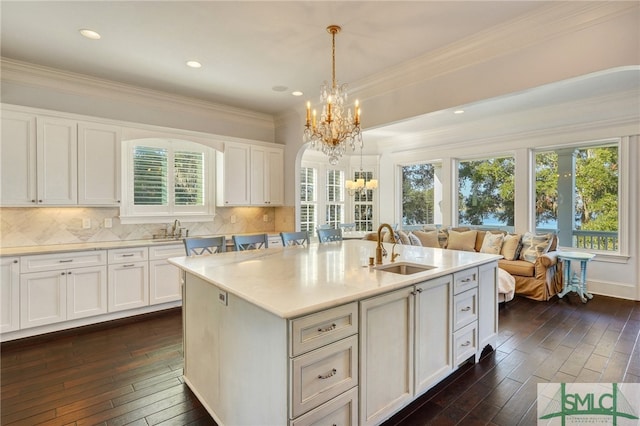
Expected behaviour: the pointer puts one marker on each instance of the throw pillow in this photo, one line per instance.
(413, 240)
(534, 246)
(386, 237)
(492, 243)
(465, 240)
(404, 238)
(428, 239)
(510, 246)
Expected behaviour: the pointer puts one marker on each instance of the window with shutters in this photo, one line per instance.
(167, 180)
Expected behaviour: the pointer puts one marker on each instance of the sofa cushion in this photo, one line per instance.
(520, 268)
(481, 234)
(510, 246)
(492, 243)
(404, 238)
(465, 240)
(414, 241)
(428, 238)
(534, 246)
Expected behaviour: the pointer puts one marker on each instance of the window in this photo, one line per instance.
(167, 178)
(486, 192)
(363, 204)
(335, 198)
(308, 199)
(577, 195)
(421, 195)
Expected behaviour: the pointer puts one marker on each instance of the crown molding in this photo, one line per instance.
(543, 24)
(32, 75)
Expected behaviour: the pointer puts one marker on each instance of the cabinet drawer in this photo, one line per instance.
(465, 308)
(274, 240)
(465, 280)
(128, 255)
(316, 330)
(58, 261)
(340, 411)
(161, 252)
(323, 374)
(465, 343)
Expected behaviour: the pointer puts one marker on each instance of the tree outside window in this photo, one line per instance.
(577, 195)
(419, 200)
(486, 192)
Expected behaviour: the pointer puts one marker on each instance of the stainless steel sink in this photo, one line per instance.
(404, 268)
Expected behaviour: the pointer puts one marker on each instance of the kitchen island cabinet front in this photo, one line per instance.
(267, 342)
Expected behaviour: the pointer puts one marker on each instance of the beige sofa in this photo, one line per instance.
(538, 279)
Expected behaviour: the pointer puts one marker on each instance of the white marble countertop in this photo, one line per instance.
(294, 281)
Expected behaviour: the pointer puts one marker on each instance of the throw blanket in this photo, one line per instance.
(506, 286)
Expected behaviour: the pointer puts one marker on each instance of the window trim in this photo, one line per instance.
(130, 214)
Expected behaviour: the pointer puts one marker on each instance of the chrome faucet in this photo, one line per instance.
(176, 226)
(380, 251)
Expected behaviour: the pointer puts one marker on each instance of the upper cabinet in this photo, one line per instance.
(53, 161)
(98, 164)
(250, 175)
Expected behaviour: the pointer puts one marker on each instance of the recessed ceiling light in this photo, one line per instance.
(194, 64)
(459, 111)
(90, 34)
(297, 93)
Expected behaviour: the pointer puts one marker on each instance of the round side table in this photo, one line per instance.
(579, 285)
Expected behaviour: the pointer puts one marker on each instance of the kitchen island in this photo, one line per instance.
(298, 335)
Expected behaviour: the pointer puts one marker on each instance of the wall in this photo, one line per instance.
(63, 225)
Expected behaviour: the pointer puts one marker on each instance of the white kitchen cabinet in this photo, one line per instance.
(18, 159)
(267, 184)
(98, 164)
(9, 294)
(164, 278)
(250, 175)
(128, 278)
(386, 354)
(53, 290)
(433, 357)
(488, 306)
(233, 176)
(57, 161)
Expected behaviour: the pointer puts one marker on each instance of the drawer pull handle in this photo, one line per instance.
(329, 374)
(129, 265)
(66, 261)
(468, 308)
(467, 343)
(466, 280)
(128, 255)
(326, 329)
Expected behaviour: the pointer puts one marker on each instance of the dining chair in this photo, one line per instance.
(329, 235)
(324, 226)
(196, 246)
(347, 227)
(250, 242)
(300, 238)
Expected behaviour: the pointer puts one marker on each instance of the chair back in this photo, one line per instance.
(324, 226)
(329, 235)
(250, 242)
(295, 238)
(347, 227)
(196, 246)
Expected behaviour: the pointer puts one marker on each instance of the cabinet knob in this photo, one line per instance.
(15, 261)
(39, 201)
(61, 273)
(33, 201)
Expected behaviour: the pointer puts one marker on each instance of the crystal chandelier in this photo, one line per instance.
(359, 186)
(336, 127)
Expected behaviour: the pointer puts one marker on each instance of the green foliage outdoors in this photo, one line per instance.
(417, 194)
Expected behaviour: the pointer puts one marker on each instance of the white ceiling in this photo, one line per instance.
(246, 48)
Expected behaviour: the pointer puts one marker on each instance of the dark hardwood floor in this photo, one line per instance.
(131, 373)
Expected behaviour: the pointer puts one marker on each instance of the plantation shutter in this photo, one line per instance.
(189, 185)
(150, 176)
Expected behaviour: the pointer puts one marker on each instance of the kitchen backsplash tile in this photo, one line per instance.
(29, 226)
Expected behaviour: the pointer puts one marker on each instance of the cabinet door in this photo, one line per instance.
(86, 292)
(275, 167)
(433, 355)
(98, 165)
(18, 159)
(386, 348)
(57, 153)
(128, 286)
(43, 298)
(487, 306)
(9, 294)
(164, 282)
(233, 176)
